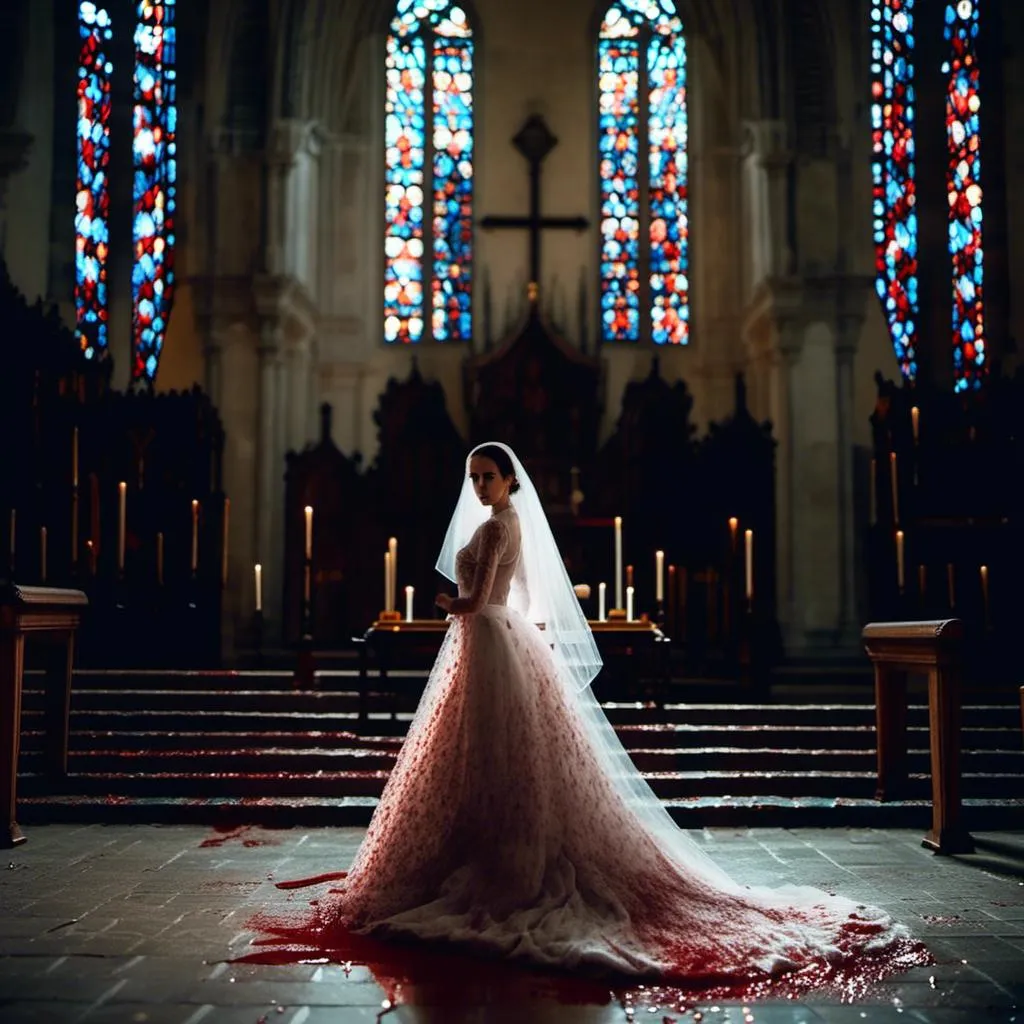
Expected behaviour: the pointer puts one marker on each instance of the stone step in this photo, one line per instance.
(370, 782)
(697, 812)
(353, 756)
(282, 697)
(243, 728)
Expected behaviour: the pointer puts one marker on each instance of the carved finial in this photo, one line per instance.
(325, 421)
(532, 292)
(655, 367)
(414, 373)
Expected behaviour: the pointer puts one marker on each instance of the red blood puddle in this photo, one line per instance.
(421, 974)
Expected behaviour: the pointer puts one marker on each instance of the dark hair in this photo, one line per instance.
(501, 459)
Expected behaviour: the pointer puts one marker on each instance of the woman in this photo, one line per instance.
(514, 823)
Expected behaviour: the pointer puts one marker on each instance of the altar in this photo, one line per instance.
(636, 659)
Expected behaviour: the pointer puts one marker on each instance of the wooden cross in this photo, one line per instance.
(534, 140)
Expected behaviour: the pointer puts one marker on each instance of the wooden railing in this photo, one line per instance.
(933, 648)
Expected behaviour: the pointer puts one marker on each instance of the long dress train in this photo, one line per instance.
(505, 828)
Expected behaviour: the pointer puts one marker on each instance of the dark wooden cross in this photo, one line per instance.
(534, 140)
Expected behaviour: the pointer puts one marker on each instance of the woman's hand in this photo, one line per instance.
(443, 601)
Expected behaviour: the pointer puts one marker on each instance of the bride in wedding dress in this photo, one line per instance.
(514, 824)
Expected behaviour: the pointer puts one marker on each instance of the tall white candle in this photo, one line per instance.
(309, 532)
(894, 482)
(387, 581)
(983, 570)
(915, 422)
(618, 561)
(257, 573)
(122, 501)
(659, 576)
(393, 551)
(409, 591)
(195, 534)
(899, 559)
(734, 526)
(629, 604)
(602, 613)
(748, 544)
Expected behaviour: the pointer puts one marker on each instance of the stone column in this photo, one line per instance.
(849, 626)
(269, 476)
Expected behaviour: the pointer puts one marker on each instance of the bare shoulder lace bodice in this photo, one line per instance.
(486, 565)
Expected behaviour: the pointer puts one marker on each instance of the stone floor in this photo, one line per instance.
(146, 924)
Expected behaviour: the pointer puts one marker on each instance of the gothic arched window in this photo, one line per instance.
(894, 202)
(643, 173)
(964, 193)
(428, 129)
(895, 212)
(92, 198)
(154, 190)
(154, 153)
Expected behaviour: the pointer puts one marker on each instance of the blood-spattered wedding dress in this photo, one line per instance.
(513, 824)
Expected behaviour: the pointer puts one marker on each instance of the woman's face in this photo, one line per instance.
(490, 487)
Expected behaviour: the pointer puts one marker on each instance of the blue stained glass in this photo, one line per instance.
(893, 173)
(629, 28)
(964, 192)
(92, 195)
(442, 29)
(154, 151)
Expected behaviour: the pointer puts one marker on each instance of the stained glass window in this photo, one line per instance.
(92, 199)
(964, 192)
(643, 171)
(894, 202)
(428, 124)
(154, 151)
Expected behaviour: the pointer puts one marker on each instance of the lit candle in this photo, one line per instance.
(602, 589)
(659, 576)
(734, 527)
(42, 553)
(393, 551)
(90, 550)
(122, 511)
(984, 590)
(618, 561)
(899, 559)
(629, 604)
(748, 545)
(873, 491)
(160, 559)
(629, 576)
(894, 480)
(74, 457)
(309, 532)
(915, 421)
(257, 574)
(224, 544)
(409, 591)
(951, 584)
(387, 581)
(195, 534)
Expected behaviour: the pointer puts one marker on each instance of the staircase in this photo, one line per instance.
(245, 747)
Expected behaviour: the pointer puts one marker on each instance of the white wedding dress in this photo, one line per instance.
(506, 830)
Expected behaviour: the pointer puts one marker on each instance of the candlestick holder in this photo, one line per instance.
(389, 616)
(618, 614)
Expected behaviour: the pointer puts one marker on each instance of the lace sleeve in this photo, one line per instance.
(493, 540)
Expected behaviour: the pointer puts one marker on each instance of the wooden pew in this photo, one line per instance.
(934, 648)
(52, 615)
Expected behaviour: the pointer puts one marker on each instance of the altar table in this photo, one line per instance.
(399, 644)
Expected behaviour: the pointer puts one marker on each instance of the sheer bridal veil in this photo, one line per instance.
(541, 590)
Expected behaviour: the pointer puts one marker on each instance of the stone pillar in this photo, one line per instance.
(846, 348)
(269, 477)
